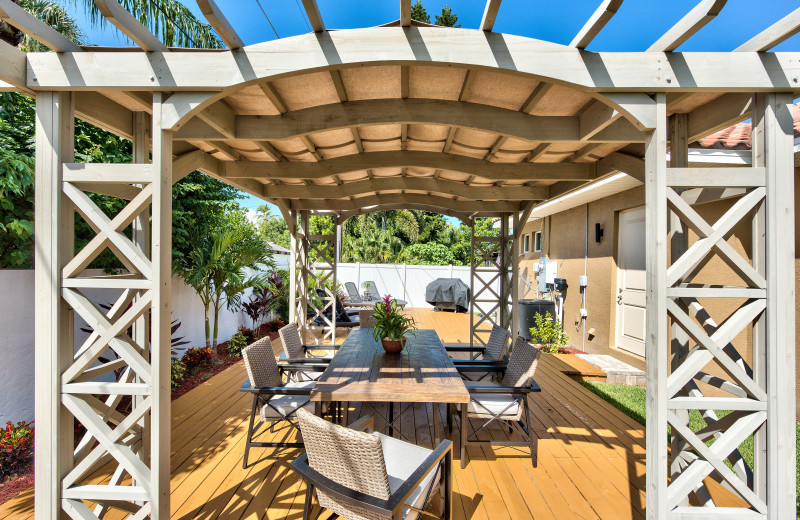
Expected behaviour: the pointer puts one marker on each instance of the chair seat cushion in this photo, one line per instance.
(287, 404)
(402, 458)
(488, 405)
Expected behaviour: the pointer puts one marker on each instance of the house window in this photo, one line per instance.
(537, 242)
(526, 243)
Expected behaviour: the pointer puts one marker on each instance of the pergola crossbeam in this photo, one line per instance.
(411, 198)
(405, 13)
(595, 24)
(35, 28)
(314, 16)
(696, 19)
(490, 14)
(221, 25)
(130, 26)
(781, 30)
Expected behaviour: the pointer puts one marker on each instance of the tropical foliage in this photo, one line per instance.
(16, 447)
(549, 333)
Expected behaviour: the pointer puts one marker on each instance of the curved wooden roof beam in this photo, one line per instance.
(383, 184)
(335, 116)
(344, 215)
(465, 206)
(402, 159)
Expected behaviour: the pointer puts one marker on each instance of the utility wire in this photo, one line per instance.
(268, 20)
(176, 25)
(303, 14)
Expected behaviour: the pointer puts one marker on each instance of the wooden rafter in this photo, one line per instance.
(405, 13)
(781, 30)
(490, 14)
(410, 198)
(221, 25)
(344, 215)
(130, 26)
(694, 20)
(314, 16)
(595, 24)
(420, 159)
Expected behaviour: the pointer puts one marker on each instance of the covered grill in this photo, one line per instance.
(448, 293)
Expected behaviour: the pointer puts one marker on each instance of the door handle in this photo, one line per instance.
(619, 300)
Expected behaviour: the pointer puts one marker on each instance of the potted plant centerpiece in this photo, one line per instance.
(391, 326)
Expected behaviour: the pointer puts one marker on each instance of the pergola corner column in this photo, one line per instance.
(491, 281)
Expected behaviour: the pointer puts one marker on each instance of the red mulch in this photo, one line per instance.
(206, 373)
(12, 486)
(15, 484)
(564, 350)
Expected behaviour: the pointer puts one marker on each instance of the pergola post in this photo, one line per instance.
(109, 362)
(323, 250)
(299, 275)
(54, 336)
(491, 263)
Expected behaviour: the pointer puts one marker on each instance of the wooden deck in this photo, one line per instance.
(591, 456)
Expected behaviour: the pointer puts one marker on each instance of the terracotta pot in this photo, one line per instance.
(393, 346)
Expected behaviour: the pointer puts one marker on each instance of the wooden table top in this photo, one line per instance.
(362, 371)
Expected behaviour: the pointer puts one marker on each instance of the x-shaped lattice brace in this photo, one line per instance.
(109, 232)
(713, 238)
(711, 458)
(321, 245)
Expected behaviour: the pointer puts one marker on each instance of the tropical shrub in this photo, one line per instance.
(236, 344)
(274, 325)
(548, 333)
(178, 372)
(249, 334)
(197, 357)
(389, 322)
(16, 447)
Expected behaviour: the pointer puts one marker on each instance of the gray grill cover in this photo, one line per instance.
(448, 290)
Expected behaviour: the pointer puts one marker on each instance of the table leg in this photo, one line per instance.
(391, 419)
(437, 433)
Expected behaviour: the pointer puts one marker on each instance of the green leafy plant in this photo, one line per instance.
(16, 447)
(178, 372)
(389, 322)
(197, 357)
(236, 344)
(549, 333)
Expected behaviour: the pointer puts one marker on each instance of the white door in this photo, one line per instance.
(631, 277)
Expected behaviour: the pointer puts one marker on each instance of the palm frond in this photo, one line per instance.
(53, 14)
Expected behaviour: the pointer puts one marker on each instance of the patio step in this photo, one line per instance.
(617, 372)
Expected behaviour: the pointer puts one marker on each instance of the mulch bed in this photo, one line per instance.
(205, 373)
(564, 350)
(12, 486)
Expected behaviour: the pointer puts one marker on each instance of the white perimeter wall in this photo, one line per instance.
(17, 312)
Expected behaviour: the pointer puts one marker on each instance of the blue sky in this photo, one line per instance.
(637, 24)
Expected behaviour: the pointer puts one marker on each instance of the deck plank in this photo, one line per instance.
(590, 463)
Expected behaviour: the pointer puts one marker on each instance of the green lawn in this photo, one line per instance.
(631, 401)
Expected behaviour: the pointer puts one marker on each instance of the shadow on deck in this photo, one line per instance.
(591, 456)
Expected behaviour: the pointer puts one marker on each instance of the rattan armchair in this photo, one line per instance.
(362, 475)
(274, 400)
(297, 353)
(493, 353)
(505, 402)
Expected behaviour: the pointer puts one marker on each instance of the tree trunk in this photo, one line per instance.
(216, 330)
(208, 326)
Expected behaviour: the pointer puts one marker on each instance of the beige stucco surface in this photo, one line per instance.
(565, 242)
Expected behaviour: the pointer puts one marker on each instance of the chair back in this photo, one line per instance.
(372, 289)
(496, 344)
(352, 290)
(292, 342)
(365, 319)
(522, 364)
(259, 360)
(348, 457)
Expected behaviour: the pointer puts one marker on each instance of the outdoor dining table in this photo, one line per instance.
(361, 371)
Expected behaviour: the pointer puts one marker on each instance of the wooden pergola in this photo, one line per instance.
(464, 122)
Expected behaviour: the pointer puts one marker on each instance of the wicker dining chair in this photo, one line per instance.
(363, 475)
(365, 318)
(295, 352)
(492, 353)
(505, 402)
(274, 400)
